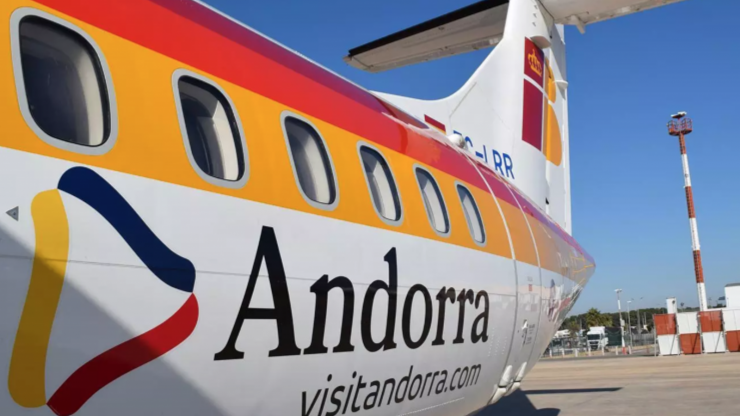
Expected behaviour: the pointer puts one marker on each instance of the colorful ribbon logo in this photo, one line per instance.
(26, 380)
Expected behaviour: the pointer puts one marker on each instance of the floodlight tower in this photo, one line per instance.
(680, 126)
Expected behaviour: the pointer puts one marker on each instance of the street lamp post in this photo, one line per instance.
(621, 321)
(629, 323)
(639, 327)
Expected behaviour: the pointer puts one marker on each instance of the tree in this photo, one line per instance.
(610, 319)
(595, 318)
(573, 329)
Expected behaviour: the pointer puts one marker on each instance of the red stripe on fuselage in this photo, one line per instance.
(435, 123)
(197, 36)
(500, 190)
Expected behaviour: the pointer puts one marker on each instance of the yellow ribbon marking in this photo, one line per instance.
(26, 380)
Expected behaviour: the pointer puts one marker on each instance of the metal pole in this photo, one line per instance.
(680, 127)
(639, 327)
(621, 321)
(629, 324)
(644, 322)
(637, 324)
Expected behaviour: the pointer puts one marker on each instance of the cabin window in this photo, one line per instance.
(311, 163)
(63, 83)
(472, 214)
(382, 186)
(433, 201)
(211, 130)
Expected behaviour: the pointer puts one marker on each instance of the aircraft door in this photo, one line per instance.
(529, 295)
(528, 284)
(552, 270)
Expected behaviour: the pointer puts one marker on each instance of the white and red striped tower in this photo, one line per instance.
(680, 126)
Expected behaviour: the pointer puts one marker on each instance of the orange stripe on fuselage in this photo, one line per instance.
(150, 143)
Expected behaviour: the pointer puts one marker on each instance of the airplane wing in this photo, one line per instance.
(478, 26)
(584, 12)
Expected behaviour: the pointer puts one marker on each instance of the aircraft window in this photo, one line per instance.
(311, 163)
(472, 214)
(381, 184)
(211, 130)
(433, 201)
(63, 86)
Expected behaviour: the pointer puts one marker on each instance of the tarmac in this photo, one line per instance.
(628, 385)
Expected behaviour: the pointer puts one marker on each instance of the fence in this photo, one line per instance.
(576, 347)
(708, 332)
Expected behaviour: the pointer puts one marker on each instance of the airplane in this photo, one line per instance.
(197, 220)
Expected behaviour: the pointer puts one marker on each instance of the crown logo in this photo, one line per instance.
(534, 62)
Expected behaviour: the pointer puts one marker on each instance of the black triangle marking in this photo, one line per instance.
(13, 213)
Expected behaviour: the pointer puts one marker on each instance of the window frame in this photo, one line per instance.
(107, 89)
(320, 205)
(478, 212)
(239, 183)
(445, 211)
(399, 221)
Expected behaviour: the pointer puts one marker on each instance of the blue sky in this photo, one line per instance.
(627, 76)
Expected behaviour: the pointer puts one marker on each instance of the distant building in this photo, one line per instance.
(732, 296)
